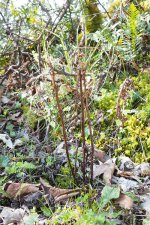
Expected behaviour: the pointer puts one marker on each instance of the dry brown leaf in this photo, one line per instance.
(58, 192)
(125, 201)
(63, 198)
(107, 169)
(59, 195)
(125, 173)
(15, 190)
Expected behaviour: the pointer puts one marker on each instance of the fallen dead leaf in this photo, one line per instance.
(125, 173)
(125, 201)
(12, 216)
(125, 184)
(59, 195)
(7, 140)
(107, 169)
(6, 100)
(15, 190)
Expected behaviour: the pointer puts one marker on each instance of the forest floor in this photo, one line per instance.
(37, 186)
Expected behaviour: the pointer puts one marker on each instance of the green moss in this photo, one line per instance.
(64, 178)
(30, 117)
(92, 16)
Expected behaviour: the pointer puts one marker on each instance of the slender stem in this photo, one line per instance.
(82, 124)
(104, 9)
(61, 118)
(76, 158)
(39, 55)
(90, 127)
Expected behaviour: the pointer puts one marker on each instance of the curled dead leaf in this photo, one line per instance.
(15, 190)
(59, 195)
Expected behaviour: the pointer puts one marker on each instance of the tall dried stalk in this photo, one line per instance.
(80, 74)
(123, 95)
(89, 124)
(55, 87)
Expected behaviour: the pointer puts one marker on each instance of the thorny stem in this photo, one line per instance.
(61, 118)
(90, 128)
(80, 74)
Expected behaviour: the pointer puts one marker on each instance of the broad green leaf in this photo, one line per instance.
(108, 193)
(4, 160)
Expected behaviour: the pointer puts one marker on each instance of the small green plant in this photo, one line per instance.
(50, 160)
(46, 211)
(19, 168)
(89, 211)
(64, 179)
(30, 116)
(132, 23)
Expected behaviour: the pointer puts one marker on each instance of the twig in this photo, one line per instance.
(43, 8)
(62, 13)
(104, 9)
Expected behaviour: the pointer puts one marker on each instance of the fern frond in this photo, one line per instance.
(133, 14)
(133, 11)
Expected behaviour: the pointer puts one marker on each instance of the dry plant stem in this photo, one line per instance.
(126, 86)
(76, 158)
(90, 128)
(61, 118)
(76, 118)
(39, 55)
(82, 124)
